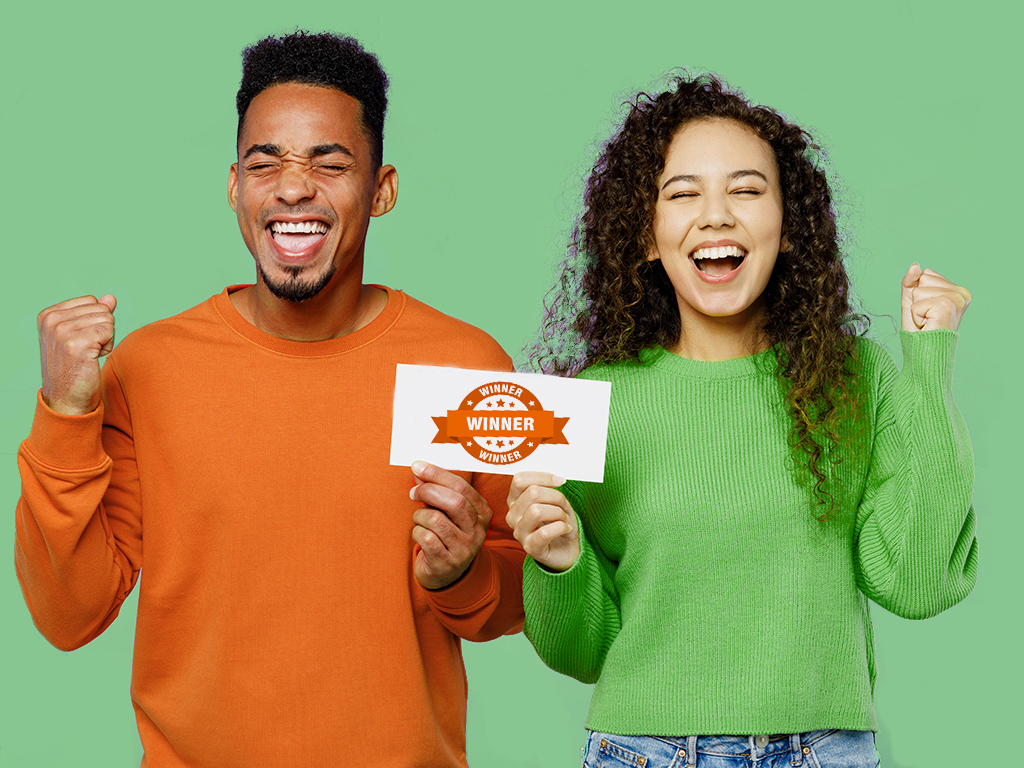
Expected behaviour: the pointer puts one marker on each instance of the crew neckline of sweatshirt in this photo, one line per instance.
(347, 343)
(736, 368)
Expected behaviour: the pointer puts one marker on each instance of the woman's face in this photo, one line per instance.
(718, 222)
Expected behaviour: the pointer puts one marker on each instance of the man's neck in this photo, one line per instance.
(336, 311)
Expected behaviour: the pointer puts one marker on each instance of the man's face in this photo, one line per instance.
(304, 187)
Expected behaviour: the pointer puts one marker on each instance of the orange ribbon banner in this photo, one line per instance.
(500, 423)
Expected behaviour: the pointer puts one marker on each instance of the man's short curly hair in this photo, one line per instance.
(318, 59)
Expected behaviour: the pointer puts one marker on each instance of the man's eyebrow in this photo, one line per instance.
(262, 149)
(317, 151)
(330, 149)
(732, 176)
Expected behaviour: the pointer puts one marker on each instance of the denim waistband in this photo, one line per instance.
(688, 751)
(757, 746)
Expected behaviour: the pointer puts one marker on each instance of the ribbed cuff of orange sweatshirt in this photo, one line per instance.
(70, 442)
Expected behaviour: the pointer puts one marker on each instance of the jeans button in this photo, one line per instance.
(761, 741)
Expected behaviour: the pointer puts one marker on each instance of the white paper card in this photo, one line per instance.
(500, 422)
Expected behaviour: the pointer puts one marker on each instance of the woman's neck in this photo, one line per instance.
(721, 338)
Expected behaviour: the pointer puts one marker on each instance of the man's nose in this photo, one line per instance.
(294, 185)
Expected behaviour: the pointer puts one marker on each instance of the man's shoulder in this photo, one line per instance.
(430, 337)
(187, 327)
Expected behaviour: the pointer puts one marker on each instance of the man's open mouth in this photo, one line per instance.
(297, 236)
(718, 261)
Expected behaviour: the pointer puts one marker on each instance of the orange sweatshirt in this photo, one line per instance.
(279, 621)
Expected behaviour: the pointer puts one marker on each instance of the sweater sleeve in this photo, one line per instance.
(573, 617)
(915, 547)
(487, 601)
(78, 537)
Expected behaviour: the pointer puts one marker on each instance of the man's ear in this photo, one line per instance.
(386, 196)
(233, 186)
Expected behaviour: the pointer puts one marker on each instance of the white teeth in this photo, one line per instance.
(301, 227)
(719, 253)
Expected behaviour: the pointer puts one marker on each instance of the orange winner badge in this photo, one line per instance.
(500, 423)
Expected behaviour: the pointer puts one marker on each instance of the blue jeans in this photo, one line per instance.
(815, 749)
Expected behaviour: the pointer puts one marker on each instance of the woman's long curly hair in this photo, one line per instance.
(611, 302)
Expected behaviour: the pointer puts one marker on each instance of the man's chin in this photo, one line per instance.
(296, 288)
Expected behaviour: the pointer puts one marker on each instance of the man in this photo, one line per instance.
(295, 604)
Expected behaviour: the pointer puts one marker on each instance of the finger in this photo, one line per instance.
(429, 473)
(83, 347)
(536, 506)
(512, 518)
(455, 506)
(543, 536)
(50, 319)
(534, 494)
(108, 347)
(109, 301)
(82, 317)
(937, 312)
(433, 548)
(69, 304)
(523, 480)
(85, 337)
(438, 523)
(429, 541)
(539, 494)
(540, 515)
(959, 296)
(936, 281)
(538, 543)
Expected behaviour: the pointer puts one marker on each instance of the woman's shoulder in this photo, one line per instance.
(613, 370)
(873, 358)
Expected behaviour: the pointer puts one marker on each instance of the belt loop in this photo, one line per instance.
(691, 751)
(797, 754)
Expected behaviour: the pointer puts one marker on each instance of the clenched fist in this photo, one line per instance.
(73, 336)
(930, 301)
(543, 521)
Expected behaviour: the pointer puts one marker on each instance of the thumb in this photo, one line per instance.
(908, 284)
(109, 302)
(913, 276)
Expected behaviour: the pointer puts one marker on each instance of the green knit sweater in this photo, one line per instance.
(708, 599)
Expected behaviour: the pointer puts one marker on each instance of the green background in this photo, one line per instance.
(117, 126)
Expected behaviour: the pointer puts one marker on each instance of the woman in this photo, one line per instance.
(768, 469)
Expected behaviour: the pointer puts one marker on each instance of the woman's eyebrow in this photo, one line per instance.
(747, 172)
(682, 177)
(694, 178)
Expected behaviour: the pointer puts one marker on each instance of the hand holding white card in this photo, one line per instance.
(500, 422)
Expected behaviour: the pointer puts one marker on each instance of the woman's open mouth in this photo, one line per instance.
(719, 261)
